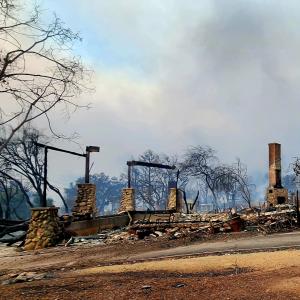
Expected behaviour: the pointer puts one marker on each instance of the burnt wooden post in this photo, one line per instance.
(297, 209)
(129, 177)
(44, 199)
(89, 149)
(87, 168)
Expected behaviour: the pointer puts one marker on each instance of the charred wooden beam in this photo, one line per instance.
(60, 150)
(151, 165)
(10, 241)
(5, 222)
(89, 149)
(10, 229)
(133, 163)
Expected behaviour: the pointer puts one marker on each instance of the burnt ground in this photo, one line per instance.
(223, 284)
(220, 281)
(80, 256)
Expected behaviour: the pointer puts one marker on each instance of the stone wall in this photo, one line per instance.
(85, 205)
(45, 230)
(127, 202)
(175, 203)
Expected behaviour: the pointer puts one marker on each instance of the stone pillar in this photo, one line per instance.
(45, 230)
(85, 205)
(175, 203)
(127, 200)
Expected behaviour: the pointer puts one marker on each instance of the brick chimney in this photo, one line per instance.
(275, 165)
(276, 193)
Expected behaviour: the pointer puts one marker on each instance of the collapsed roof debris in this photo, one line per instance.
(198, 225)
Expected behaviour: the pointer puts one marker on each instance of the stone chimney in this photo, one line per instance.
(276, 194)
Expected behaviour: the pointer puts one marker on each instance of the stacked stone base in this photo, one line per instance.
(85, 205)
(45, 230)
(175, 200)
(127, 200)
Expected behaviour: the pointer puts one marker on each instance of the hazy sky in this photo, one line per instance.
(169, 74)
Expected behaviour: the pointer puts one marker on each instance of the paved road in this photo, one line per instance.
(282, 240)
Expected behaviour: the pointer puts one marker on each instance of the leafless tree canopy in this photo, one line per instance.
(220, 180)
(37, 68)
(202, 178)
(296, 166)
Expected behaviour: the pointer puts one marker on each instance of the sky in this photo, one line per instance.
(171, 74)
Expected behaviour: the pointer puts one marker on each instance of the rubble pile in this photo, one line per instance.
(106, 237)
(199, 225)
(282, 218)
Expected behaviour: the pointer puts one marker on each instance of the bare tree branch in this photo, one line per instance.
(37, 68)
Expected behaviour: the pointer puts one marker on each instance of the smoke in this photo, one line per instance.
(172, 74)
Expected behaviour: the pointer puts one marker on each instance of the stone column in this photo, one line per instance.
(175, 203)
(127, 200)
(45, 230)
(85, 205)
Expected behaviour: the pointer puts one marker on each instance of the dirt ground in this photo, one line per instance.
(224, 284)
(79, 256)
(102, 272)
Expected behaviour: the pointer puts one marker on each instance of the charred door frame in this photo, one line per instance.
(89, 149)
(133, 163)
